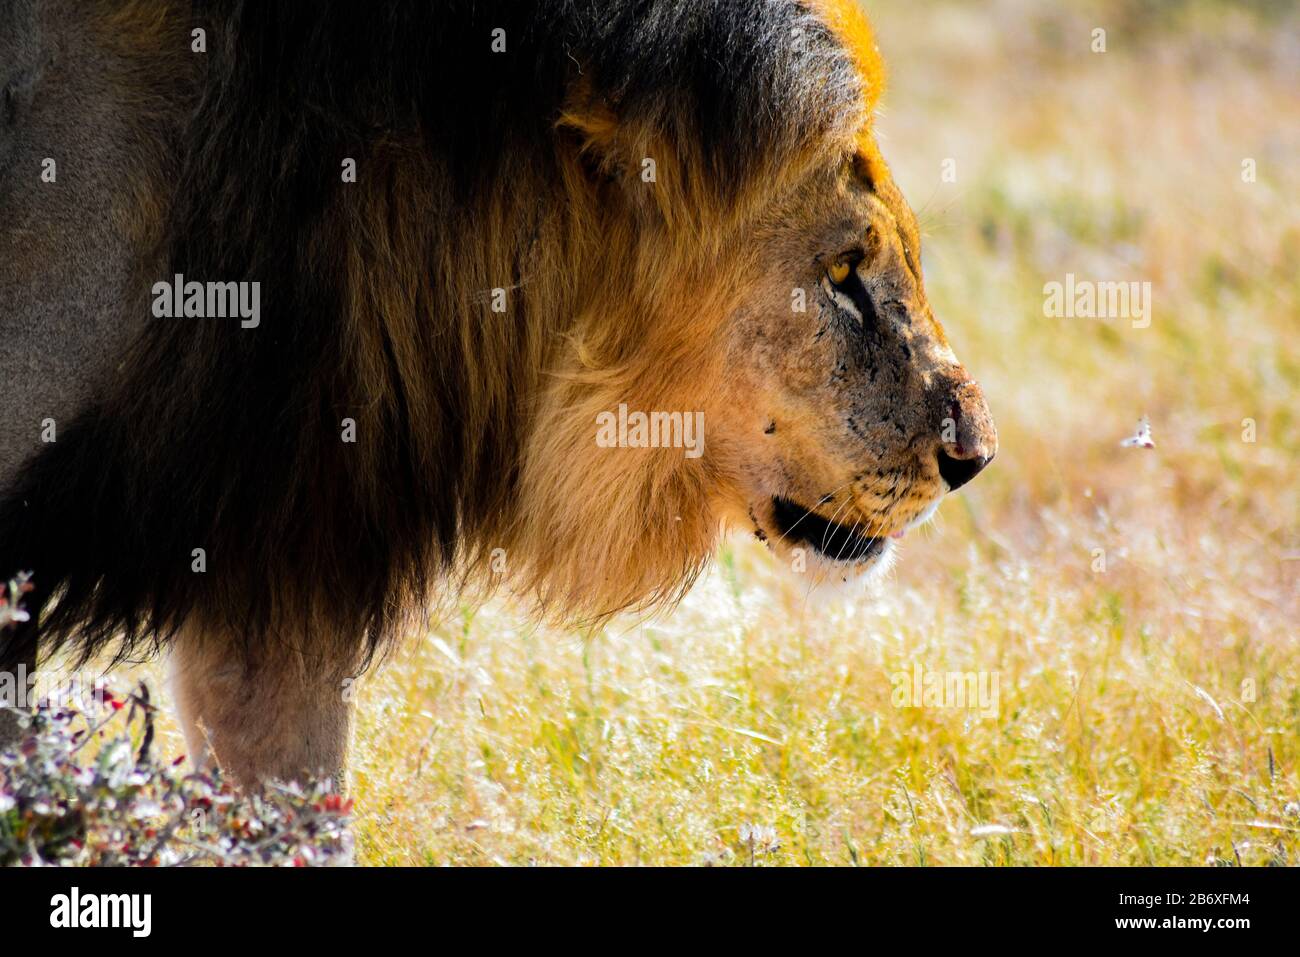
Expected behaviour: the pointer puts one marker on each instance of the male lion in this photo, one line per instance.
(478, 230)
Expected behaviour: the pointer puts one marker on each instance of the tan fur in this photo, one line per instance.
(277, 717)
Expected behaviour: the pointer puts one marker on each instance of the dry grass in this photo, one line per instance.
(1148, 714)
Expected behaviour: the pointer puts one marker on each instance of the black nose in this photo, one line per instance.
(957, 472)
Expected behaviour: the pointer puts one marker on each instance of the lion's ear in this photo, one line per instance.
(868, 165)
(593, 120)
(634, 162)
(598, 138)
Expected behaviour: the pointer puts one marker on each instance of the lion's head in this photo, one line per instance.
(852, 415)
(777, 296)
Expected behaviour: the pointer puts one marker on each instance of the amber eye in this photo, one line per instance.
(838, 272)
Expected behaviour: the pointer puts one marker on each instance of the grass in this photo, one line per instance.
(1148, 713)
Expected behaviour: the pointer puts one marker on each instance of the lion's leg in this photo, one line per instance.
(282, 716)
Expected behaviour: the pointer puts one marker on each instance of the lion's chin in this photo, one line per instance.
(830, 541)
(819, 549)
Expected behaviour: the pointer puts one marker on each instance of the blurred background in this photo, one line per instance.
(1138, 607)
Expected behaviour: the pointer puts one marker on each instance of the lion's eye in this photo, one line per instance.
(839, 272)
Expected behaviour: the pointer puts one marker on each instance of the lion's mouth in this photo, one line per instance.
(839, 543)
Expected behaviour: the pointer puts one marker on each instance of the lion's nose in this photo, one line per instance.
(968, 440)
(957, 472)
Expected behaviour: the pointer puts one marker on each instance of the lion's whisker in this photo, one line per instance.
(834, 519)
(783, 536)
(849, 538)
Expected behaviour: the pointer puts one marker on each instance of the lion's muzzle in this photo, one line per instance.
(968, 438)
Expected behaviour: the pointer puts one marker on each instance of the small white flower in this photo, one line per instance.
(11, 616)
(762, 838)
(1141, 439)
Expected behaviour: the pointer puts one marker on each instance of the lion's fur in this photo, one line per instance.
(474, 429)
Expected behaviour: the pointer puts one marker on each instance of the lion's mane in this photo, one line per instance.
(476, 170)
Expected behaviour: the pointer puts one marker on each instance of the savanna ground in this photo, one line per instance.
(1148, 705)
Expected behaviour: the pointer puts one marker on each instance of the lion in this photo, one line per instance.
(475, 231)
